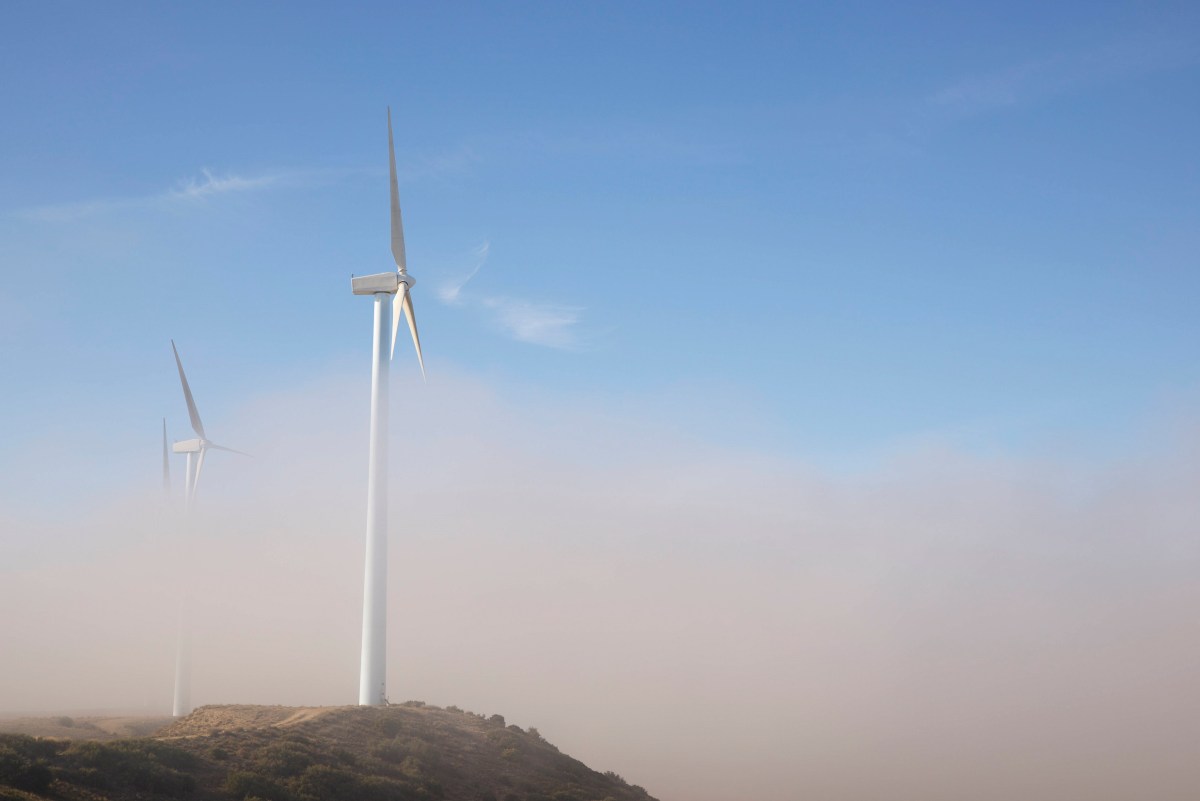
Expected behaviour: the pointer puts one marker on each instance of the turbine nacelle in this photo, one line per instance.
(188, 446)
(388, 282)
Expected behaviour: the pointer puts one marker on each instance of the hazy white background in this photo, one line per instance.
(709, 622)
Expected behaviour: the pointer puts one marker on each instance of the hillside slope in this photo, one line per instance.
(232, 753)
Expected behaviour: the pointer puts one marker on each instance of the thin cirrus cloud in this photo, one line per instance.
(550, 325)
(207, 184)
(450, 291)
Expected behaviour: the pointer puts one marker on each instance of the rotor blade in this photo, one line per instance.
(199, 467)
(197, 426)
(223, 448)
(411, 317)
(397, 306)
(397, 224)
(166, 462)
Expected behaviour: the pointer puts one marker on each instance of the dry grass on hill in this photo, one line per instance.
(410, 752)
(64, 727)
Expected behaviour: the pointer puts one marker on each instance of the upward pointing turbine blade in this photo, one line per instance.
(166, 462)
(197, 426)
(403, 303)
(397, 223)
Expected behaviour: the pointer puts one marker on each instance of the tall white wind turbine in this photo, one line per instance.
(195, 449)
(372, 683)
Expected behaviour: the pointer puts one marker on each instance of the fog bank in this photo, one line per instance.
(712, 623)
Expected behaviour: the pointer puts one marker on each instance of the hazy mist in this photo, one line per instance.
(710, 622)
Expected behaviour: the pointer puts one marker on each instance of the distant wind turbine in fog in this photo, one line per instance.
(195, 449)
(372, 685)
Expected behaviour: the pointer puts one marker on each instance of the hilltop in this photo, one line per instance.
(410, 752)
(89, 727)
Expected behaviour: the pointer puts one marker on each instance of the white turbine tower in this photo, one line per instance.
(195, 449)
(372, 683)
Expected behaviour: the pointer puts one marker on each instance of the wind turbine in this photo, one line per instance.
(195, 449)
(372, 683)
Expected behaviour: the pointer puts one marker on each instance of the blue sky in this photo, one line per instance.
(816, 231)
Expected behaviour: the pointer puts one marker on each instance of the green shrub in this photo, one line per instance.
(35, 779)
(283, 760)
(392, 751)
(379, 788)
(502, 737)
(412, 766)
(328, 784)
(140, 764)
(154, 751)
(12, 763)
(242, 784)
(388, 724)
(31, 747)
(88, 777)
(22, 773)
(413, 755)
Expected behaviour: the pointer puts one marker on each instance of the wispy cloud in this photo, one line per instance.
(449, 292)
(209, 183)
(1059, 73)
(548, 324)
(552, 325)
(206, 185)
